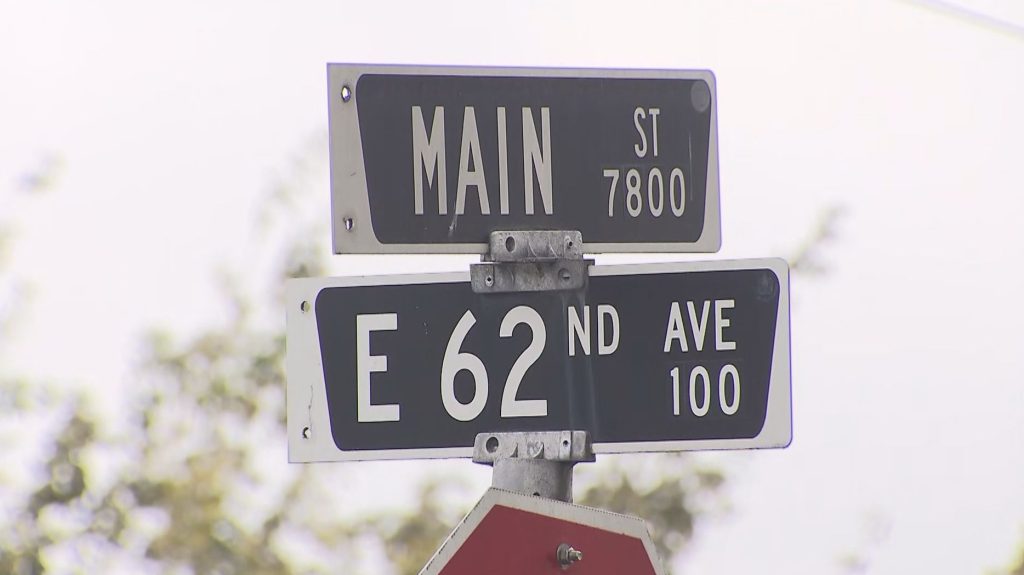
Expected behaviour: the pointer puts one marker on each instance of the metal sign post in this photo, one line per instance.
(539, 464)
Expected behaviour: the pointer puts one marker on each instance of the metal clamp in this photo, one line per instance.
(565, 446)
(534, 463)
(530, 261)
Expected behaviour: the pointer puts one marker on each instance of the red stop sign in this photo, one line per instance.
(512, 534)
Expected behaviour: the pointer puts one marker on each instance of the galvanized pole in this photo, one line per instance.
(538, 463)
(533, 463)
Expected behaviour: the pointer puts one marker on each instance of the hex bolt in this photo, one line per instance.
(567, 555)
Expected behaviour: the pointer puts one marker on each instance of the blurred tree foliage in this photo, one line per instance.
(191, 476)
(1017, 565)
(184, 457)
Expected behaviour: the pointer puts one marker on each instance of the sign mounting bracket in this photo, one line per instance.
(531, 261)
(534, 463)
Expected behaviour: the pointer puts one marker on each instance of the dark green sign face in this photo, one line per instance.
(433, 159)
(659, 357)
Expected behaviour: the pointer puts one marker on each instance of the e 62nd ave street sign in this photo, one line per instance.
(432, 159)
(652, 357)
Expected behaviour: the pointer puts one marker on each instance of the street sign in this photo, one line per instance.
(512, 534)
(652, 357)
(432, 159)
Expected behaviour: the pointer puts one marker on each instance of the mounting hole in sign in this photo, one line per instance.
(304, 306)
(348, 224)
(510, 244)
(492, 444)
(305, 433)
(346, 93)
(700, 96)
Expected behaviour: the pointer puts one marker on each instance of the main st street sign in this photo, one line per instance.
(654, 357)
(432, 159)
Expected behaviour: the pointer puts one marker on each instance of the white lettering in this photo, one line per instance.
(723, 377)
(700, 372)
(674, 331)
(471, 153)
(675, 390)
(581, 330)
(428, 153)
(503, 160)
(367, 364)
(535, 160)
(610, 347)
(456, 360)
(654, 112)
(721, 323)
(512, 406)
(641, 148)
(698, 328)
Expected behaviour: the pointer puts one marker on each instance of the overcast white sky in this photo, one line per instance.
(173, 121)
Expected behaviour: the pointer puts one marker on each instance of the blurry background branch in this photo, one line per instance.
(807, 259)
